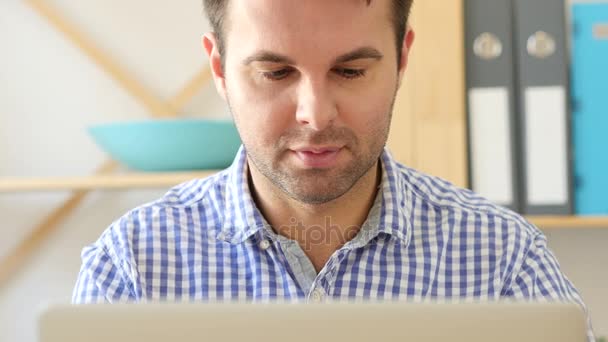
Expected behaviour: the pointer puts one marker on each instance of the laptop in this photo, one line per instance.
(276, 322)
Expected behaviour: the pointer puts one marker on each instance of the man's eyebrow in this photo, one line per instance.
(269, 57)
(360, 53)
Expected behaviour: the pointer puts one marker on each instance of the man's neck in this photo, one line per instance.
(320, 229)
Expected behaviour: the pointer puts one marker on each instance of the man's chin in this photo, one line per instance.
(315, 189)
(313, 198)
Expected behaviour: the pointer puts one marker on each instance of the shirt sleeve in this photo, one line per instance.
(540, 278)
(100, 280)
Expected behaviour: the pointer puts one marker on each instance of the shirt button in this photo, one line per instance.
(264, 245)
(317, 295)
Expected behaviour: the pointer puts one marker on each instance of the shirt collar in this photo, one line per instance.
(242, 218)
(390, 213)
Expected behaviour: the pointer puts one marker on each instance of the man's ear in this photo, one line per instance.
(215, 62)
(408, 42)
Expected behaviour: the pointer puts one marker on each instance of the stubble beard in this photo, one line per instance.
(318, 186)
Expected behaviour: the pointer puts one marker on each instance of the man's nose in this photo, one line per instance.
(316, 107)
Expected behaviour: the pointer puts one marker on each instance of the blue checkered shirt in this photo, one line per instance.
(423, 239)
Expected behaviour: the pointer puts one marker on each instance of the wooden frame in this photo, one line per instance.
(429, 133)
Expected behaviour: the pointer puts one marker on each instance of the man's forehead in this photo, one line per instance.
(307, 14)
(290, 25)
(268, 4)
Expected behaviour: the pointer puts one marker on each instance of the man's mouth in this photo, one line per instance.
(318, 157)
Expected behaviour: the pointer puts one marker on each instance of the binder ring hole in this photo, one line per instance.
(487, 46)
(541, 45)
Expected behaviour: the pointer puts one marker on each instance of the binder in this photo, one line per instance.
(491, 101)
(543, 106)
(590, 114)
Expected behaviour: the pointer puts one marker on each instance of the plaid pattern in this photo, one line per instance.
(424, 239)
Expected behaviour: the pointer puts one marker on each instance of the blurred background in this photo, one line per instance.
(61, 63)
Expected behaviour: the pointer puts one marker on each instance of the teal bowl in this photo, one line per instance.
(170, 145)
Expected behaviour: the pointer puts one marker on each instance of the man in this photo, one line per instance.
(314, 207)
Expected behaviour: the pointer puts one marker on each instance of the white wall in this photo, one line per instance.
(50, 92)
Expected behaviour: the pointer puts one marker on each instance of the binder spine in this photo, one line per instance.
(491, 101)
(543, 106)
(590, 106)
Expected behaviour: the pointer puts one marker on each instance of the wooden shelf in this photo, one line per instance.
(99, 182)
(165, 180)
(569, 222)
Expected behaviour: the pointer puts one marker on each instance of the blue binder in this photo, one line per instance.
(589, 82)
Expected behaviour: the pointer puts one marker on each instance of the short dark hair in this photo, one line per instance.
(216, 12)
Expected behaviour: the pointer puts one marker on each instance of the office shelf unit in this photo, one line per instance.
(428, 131)
(429, 122)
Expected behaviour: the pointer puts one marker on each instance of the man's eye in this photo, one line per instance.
(276, 75)
(350, 73)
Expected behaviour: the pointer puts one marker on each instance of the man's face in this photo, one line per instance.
(311, 85)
